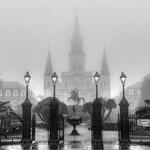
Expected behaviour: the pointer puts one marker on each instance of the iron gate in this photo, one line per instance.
(137, 132)
(10, 127)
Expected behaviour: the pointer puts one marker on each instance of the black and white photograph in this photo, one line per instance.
(74, 74)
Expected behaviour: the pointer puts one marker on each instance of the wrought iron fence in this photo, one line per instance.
(61, 128)
(10, 127)
(138, 132)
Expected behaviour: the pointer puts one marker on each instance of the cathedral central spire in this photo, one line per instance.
(76, 55)
(49, 67)
(76, 41)
(104, 66)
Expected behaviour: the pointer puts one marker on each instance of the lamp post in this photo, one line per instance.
(96, 78)
(27, 78)
(26, 110)
(96, 123)
(54, 80)
(54, 119)
(124, 115)
(123, 80)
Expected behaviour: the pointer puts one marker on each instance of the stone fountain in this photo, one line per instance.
(75, 120)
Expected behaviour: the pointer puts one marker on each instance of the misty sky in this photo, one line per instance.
(26, 27)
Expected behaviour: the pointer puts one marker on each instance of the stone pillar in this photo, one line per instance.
(124, 121)
(54, 122)
(97, 121)
(26, 132)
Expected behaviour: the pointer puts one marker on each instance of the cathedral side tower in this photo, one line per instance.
(76, 55)
(48, 85)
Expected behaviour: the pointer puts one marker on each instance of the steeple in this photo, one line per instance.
(76, 55)
(48, 68)
(76, 41)
(104, 66)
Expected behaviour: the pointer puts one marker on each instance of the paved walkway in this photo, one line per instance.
(81, 142)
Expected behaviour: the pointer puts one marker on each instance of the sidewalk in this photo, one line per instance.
(81, 142)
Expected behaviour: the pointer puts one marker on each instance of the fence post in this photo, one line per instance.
(63, 127)
(26, 132)
(54, 122)
(33, 127)
(0, 129)
(97, 121)
(124, 121)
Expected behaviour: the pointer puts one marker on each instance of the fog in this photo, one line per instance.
(26, 28)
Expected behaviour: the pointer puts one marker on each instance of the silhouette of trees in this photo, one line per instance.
(109, 105)
(87, 107)
(147, 102)
(42, 108)
(4, 107)
(106, 106)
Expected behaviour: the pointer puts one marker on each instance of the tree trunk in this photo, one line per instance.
(108, 114)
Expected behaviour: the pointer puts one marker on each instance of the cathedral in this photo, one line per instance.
(77, 77)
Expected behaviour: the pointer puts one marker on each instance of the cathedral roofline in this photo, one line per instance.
(85, 73)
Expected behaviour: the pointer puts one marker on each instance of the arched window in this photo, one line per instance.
(131, 92)
(8, 93)
(15, 93)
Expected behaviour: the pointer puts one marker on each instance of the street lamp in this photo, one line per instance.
(27, 78)
(54, 80)
(123, 78)
(96, 78)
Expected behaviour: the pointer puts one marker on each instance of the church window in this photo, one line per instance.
(131, 92)
(15, 93)
(1, 93)
(23, 93)
(8, 93)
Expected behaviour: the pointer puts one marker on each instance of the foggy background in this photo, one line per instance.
(26, 28)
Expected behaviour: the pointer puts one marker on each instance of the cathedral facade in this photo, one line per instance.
(77, 77)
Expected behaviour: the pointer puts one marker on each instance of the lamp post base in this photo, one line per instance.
(97, 144)
(53, 141)
(124, 142)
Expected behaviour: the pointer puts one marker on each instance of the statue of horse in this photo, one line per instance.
(75, 97)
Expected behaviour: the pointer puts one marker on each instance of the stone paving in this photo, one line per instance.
(81, 142)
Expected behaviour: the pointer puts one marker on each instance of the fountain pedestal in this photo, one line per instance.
(74, 121)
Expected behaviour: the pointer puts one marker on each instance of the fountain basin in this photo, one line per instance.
(74, 121)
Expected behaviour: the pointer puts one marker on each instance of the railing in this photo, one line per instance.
(137, 132)
(10, 127)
